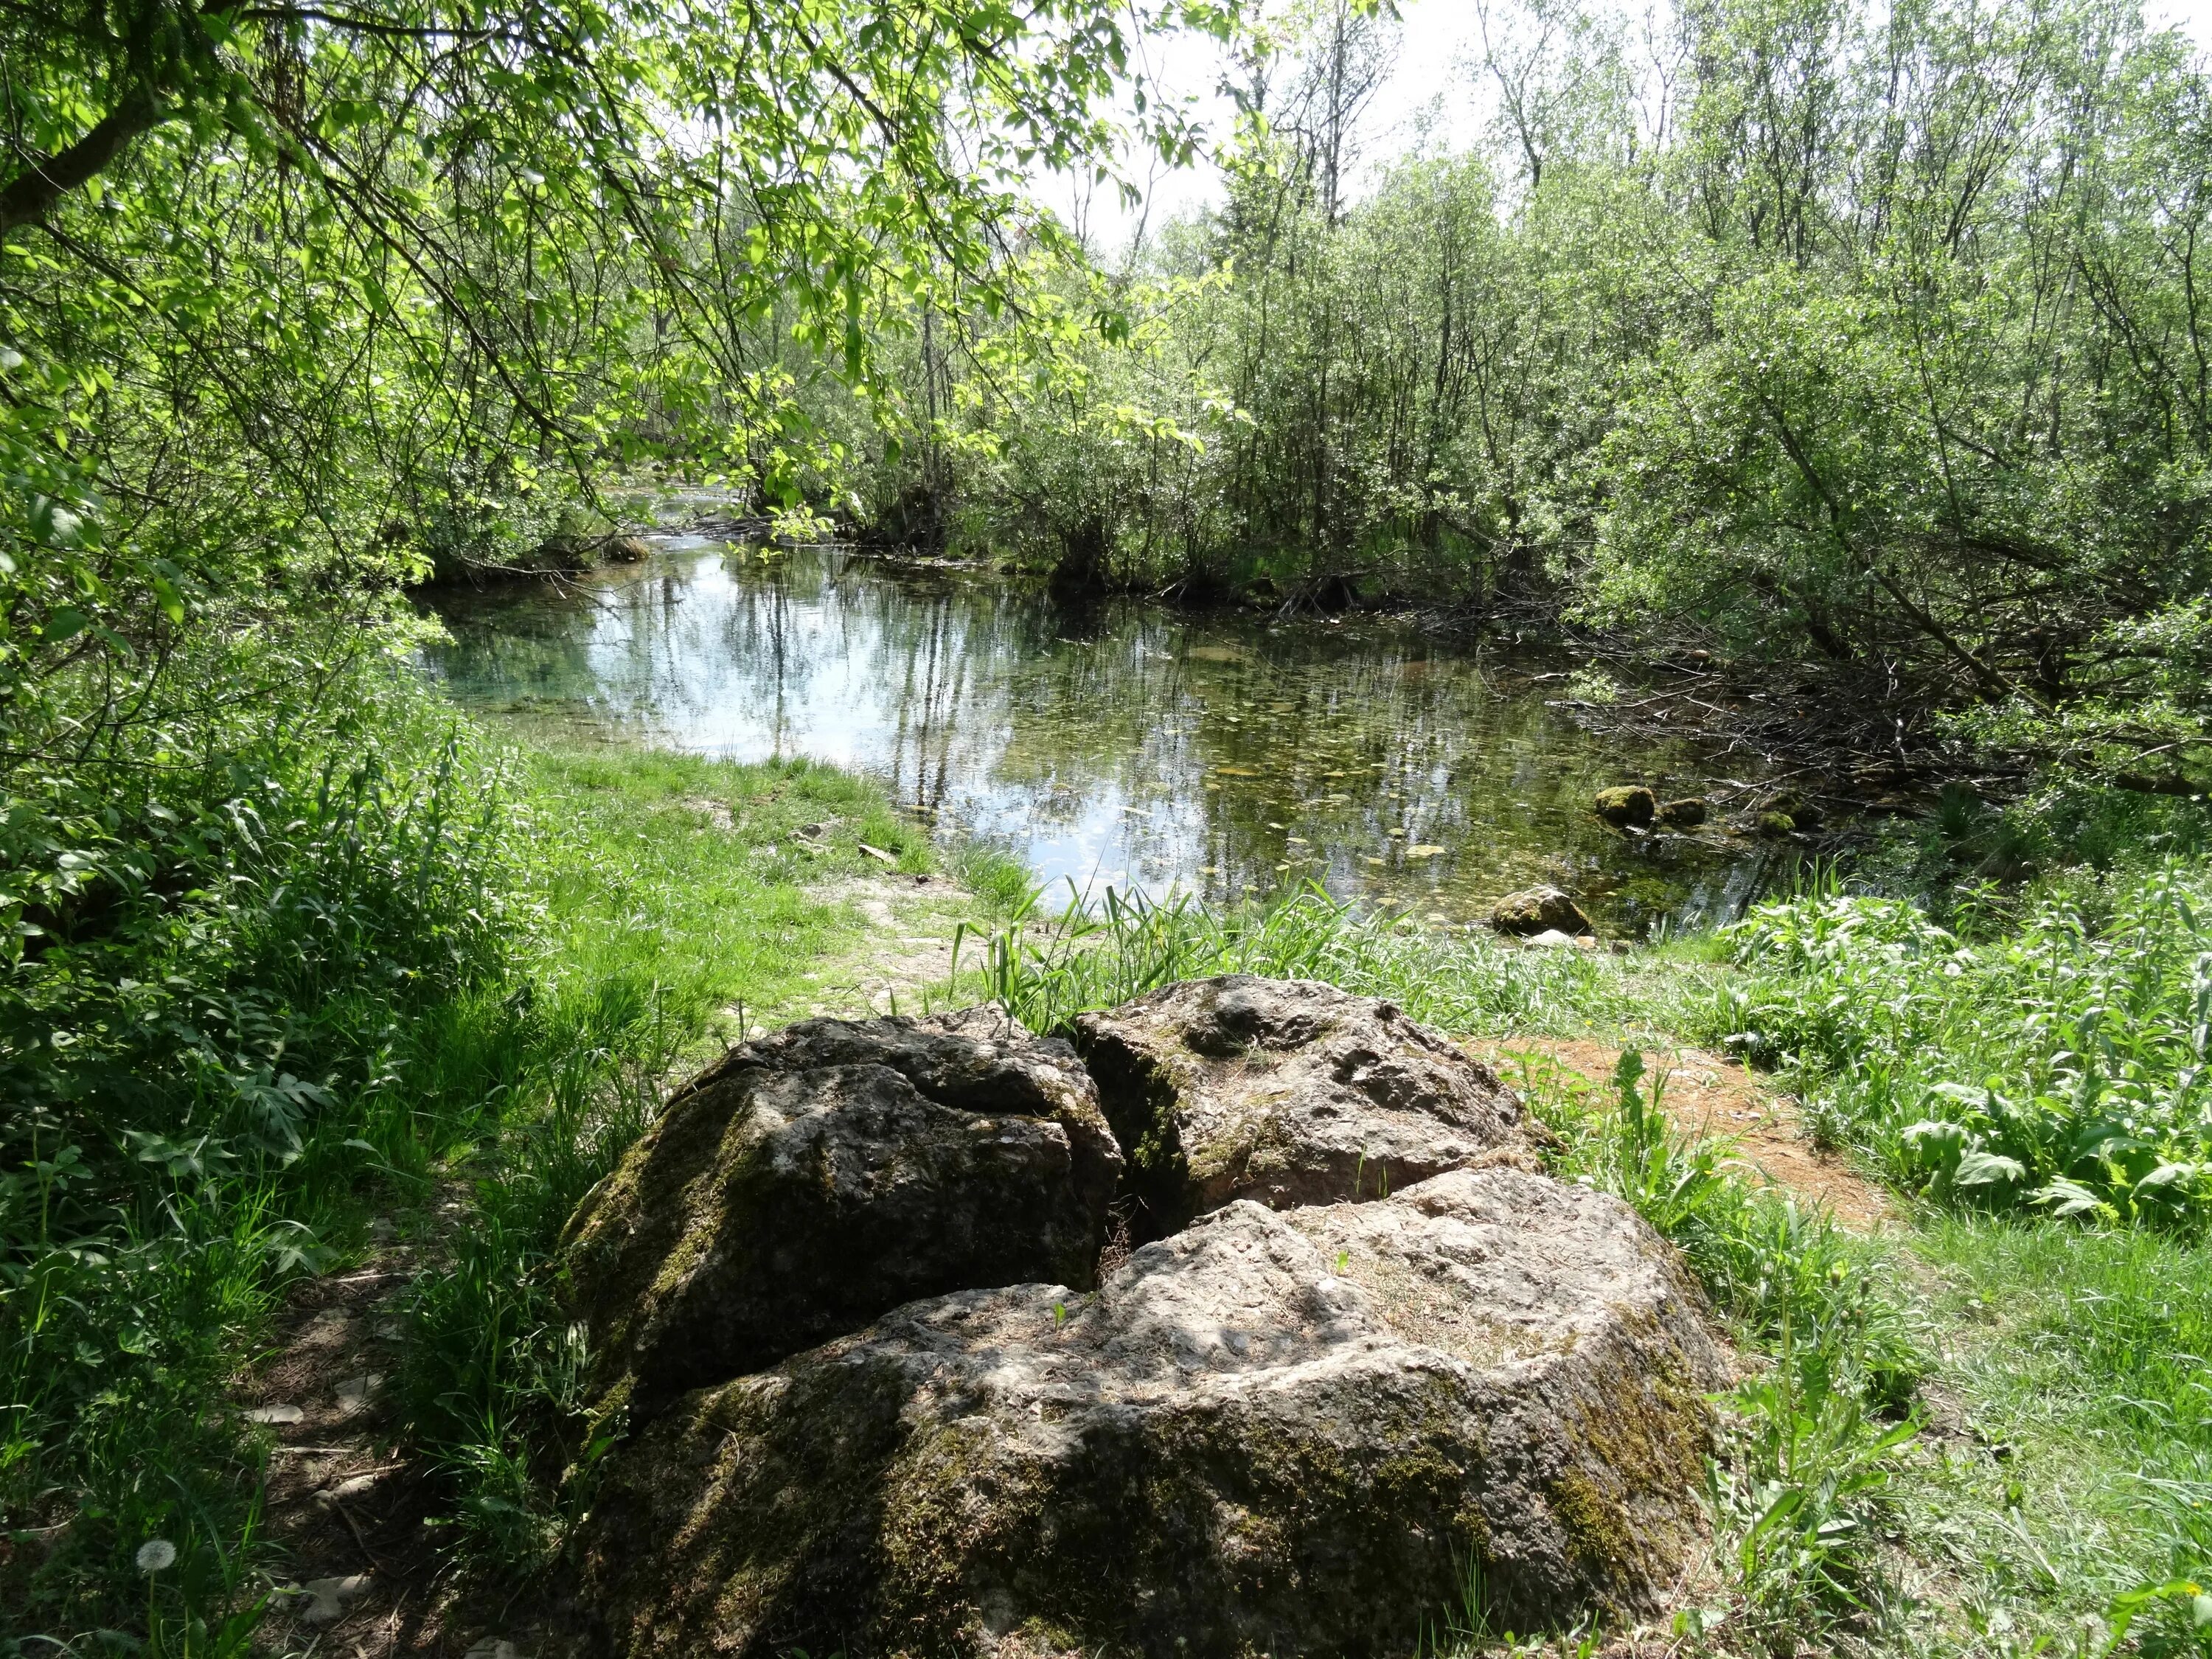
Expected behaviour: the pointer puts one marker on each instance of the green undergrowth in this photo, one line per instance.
(2057, 1061)
(366, 963)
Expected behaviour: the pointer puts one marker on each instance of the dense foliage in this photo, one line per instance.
(1867, 337)
(2061, 1064)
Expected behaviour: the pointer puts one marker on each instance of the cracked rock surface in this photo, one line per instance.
(819, 1177)
(1287, 1092)
(1269, 1433)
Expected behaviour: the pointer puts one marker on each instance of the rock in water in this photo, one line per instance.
(1267, 1434)
(1285, 1091)
(817, 1178)
(1626, 807)
(1539, 910)
(1685, 814)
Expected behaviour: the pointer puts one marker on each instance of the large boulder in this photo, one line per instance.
(1539, 910)
(1292, 1434)
(1287, 1093)
(812, 1180)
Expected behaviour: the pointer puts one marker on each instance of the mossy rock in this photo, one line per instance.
(1287, 1093)
(1626, 807)
(1803, 813)
(815, 1179)
(1271, 1433)
(1539, 910)
(1685, 814)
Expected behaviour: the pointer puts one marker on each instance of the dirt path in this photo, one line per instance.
(348, 1511)
(902, 954)
(1708, 1094)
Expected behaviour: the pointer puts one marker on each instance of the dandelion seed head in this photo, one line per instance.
(156, 1553)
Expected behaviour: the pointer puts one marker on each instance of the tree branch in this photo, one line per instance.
(32, 193)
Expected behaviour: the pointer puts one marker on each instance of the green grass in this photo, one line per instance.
(1046, 969)
(620, 914)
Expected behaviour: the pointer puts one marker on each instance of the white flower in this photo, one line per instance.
(156, 1553)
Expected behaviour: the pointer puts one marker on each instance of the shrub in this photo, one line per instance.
(2062, 1065)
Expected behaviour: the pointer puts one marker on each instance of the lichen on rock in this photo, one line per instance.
(812, 1180)
(1261, 1435)
(1285, 1092)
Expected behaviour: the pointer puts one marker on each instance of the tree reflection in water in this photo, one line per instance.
(1124, 743)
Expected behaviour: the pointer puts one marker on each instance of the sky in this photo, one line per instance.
(1432, 89)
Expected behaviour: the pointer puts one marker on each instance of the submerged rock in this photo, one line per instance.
(1626, 807)
(1270, 1433)
(814, 1179)
(1285, 1091)
(1538, 910)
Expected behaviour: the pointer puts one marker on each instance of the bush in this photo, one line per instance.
(2061, 1065)
(217, 928)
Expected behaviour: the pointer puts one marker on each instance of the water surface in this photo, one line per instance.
(1118, 744)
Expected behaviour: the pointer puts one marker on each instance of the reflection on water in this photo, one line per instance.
(1121, 744)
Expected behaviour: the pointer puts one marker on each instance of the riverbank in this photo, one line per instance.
(1965, 1425)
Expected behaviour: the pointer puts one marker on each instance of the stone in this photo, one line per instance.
(329, 1598)
(627, 550)
(1801, 813)
(1551, 939)
(1776, 824)
(1686, 814)
(1283, 1091)
(1270, 1433)
(1626, 806)
(812, 1179)
(276, 1416)
(1539, 909)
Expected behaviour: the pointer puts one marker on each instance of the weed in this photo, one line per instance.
(2061, 1067)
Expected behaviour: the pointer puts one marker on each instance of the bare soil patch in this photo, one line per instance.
(1708, 1094)
(903, 956)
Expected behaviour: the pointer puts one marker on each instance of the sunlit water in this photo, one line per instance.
(1122, 743)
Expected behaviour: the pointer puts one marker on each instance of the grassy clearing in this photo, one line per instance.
(468, 975)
